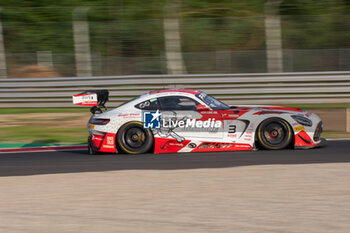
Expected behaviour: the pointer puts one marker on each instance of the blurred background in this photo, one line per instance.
(240, 39)
(116, 37)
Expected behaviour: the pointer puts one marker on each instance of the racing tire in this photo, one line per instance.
(132, 138)
(274, 134)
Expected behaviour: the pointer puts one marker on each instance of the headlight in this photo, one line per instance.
(302, 120)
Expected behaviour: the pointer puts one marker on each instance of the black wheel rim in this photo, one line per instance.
(275, 133)
(135, 137)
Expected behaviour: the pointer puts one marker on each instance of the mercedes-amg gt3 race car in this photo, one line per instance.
(185, 120)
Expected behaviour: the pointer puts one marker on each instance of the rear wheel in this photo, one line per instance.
(132, 138)
(274, 134)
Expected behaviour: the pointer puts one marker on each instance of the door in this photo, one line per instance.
(183, 120)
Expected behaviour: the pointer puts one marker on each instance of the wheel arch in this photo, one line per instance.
(132, 122)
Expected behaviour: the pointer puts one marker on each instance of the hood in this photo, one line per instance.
(265, 107)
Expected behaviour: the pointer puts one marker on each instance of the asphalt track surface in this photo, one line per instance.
(20, 164)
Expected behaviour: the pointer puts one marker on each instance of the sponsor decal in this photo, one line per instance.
(131, 115)
(221, 146)
(299, 128)
(151, 120)
(163, 145)
(308, 114)
(110, 140)
(91, 126)
(229, 116)
(210, 123)
(85, 99)
(144, 104)
(208, 145)
(96, 137)
(175, 144)
(108, 144)
(154, 120)
(209, 112)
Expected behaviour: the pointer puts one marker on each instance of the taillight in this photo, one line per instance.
(99, 121)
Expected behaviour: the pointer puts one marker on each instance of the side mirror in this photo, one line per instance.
(202, 107)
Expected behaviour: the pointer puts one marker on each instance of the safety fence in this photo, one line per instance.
(257, 88)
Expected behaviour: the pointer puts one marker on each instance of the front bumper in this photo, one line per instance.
(321, 143)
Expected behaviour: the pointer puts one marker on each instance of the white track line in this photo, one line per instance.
(337, 139)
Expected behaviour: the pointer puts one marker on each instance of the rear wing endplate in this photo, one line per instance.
(96, 99)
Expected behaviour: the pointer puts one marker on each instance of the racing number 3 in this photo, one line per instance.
(232, 129)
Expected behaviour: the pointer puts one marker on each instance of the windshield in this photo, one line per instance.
(212, 102)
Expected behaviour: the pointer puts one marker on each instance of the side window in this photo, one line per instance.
(151, 104)
(177, 103)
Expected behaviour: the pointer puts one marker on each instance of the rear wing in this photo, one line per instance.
(96, 99)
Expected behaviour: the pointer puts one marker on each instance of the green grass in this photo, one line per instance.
(335, 135)
(42, 135)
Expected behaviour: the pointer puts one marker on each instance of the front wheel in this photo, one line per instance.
(132, 138)
(274, 134)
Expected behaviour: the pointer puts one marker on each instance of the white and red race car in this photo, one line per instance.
(185, 120)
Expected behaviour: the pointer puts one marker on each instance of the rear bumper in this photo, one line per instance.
(103, 143)
(92, 145)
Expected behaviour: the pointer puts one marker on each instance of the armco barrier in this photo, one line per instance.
(265, 88)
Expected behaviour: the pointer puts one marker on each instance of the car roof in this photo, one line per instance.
(165, 92)
(176, 91)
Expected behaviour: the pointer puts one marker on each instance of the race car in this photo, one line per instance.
(186, 120)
